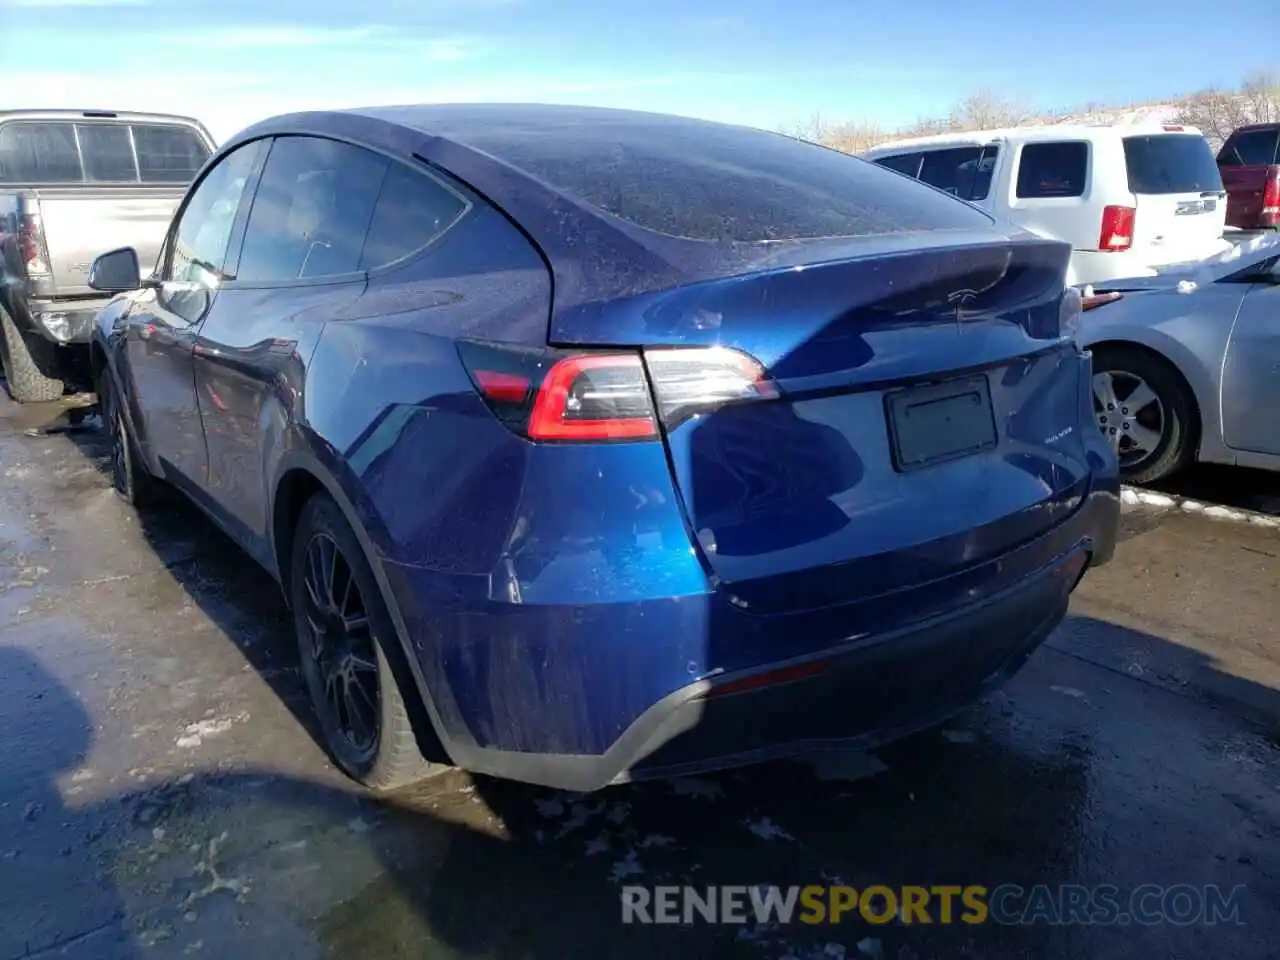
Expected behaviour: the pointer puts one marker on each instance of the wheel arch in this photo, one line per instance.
(301, 476)
(1196, 379)
(97, 361)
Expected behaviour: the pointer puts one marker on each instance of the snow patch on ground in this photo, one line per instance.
(1137, 497)
(1225, 513)
(194, 734)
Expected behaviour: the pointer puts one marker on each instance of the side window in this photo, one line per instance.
(908, 163)
(39, 153)
(1053, 169)
(168, 154)
(412, 210)
(311, 211)
(951, 170)
(986, 168)
(107, 153)
(199, 244)
(1255, 148)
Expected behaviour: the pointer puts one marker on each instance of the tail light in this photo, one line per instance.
(1271, 200)
(559, 395)
(35, 257)
(687, 382)
(593, 397)
(1117, 229)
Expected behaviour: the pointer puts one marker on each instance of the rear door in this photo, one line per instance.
(1178, 195)
(1245, 162)
(298, 265)
(1250, 386)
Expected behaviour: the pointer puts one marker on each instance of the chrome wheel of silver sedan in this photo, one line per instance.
(1145, 408)
(1129, 414)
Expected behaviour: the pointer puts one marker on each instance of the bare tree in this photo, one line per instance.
(1261, 91)
(854, 137)
(814, 129)
(1216, 112)
(988, 110)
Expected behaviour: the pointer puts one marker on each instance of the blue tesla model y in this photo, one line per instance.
(592, 445)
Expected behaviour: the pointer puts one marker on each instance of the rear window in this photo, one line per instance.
(1254, 148)
(1171, 163)
(1056, 169)
(708, 182)
(98, 152)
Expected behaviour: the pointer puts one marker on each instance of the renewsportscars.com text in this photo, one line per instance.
(1009, 904)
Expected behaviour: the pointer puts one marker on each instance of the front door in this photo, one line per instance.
(163, 321)
(1250, 384)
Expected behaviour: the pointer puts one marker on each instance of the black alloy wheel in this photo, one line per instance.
(348, 644)
(343, 657)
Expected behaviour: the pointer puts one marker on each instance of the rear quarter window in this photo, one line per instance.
(1171, 163)
(1054, 169)
(718, 183)
(412, 210)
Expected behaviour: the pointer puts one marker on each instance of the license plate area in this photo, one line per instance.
(939, 422)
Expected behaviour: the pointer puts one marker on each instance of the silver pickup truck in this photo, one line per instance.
(74, 184)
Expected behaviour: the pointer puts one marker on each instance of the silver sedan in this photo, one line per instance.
(1187, 363)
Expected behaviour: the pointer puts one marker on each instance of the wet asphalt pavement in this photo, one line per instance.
(162, 793)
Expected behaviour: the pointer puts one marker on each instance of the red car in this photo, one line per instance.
(1250, 165)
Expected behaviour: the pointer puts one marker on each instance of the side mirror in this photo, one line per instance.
(116, 272)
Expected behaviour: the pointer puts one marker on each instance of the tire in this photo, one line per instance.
(130, 479)
(394, 759)
(30, 363)
(1178, 433)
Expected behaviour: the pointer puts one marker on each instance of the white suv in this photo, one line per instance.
(1127, 198)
